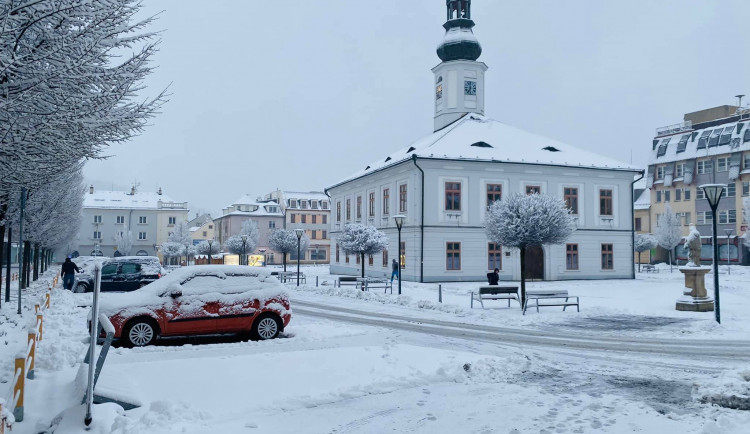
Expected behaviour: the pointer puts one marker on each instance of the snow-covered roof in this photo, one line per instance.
(703, 140)
(643, 201)
(247, 206)
(125, 200)
(305, 195)
(478, 138)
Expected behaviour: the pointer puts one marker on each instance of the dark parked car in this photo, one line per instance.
(126, 273)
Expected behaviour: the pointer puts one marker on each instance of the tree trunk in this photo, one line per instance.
(8, 253)
(363, 266)
(23, 278)
(639, 262)
(284, 261)
(2, 250)
(36, 262)
(670, 260)
(523, 276)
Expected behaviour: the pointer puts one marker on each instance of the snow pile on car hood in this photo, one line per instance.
(260, 285)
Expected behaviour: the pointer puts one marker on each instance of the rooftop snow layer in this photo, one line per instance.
(727, 137)
(478, 138)
(643, 201)
(122, 199)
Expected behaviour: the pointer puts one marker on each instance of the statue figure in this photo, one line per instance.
(693, 241)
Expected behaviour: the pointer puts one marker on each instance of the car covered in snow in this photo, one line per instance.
(200, 300)
(124, 273)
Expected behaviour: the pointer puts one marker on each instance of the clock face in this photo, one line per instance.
(470, 87)
(439, 91)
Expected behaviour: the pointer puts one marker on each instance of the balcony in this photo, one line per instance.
(173, 205)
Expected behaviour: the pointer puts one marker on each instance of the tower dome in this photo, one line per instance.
(459, 42)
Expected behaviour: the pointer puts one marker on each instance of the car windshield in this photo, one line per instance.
(202, 284)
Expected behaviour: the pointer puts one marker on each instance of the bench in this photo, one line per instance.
(291, 276)
(377, 284)
(347, 280)
(495, 292)
(554, 297)
(648, 268)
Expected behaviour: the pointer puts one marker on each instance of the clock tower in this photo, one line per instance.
(459, 78)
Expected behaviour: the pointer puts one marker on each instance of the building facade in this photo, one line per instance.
(442, 185)
(148, 216)
(311, 211)
(710, 146)
(268, 215)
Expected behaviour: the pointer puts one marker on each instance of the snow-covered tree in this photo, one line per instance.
(181, 235)
(285, 241)
(237, 246)
(520, 221)
(361, 239)
(209, 247)
(124, 241)
(170, 250)
(668, 232)
(643, 243)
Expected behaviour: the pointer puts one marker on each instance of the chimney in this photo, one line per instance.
(132, 190)
(159, 192)
(91, 189)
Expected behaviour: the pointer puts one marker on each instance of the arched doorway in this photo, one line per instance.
(534, 263)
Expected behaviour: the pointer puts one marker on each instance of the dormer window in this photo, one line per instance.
(481, 145)
(292, 203)
(303, 204)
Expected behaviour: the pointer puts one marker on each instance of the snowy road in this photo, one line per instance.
(734, 351)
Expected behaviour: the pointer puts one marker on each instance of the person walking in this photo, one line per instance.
(394, 266)
(494, 277)
(69, 269)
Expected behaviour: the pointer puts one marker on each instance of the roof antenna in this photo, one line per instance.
(739, 105)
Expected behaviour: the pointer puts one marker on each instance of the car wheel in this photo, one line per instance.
(266, 327)
(140, 333)
(80, 287)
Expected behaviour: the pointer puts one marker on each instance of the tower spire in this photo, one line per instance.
(459, 42)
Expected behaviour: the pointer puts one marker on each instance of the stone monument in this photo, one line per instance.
(694, 297)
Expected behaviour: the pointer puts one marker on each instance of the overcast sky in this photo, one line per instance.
(298, 94)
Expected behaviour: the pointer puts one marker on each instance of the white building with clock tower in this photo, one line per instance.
(444, 182)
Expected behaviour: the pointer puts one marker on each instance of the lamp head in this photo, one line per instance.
(399, 220)
(713, 193)
(299, 232)
(244, 237)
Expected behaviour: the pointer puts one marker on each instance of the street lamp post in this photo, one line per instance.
(729, 234)
(187, 251)
(210, 249)
(713, 194)
(243, 261)
(299, 233)
(399, 224)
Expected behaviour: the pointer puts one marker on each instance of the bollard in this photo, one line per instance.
(440, 293)
(316, 281)
(2, 420)
(40, 320)
(18, 389)
(36, 308)
(32, 354)
(46, 301)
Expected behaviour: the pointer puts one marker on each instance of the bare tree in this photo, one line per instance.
(124, 241)
(285, 241)
(520, 221)
(668, 232)
(362, 240)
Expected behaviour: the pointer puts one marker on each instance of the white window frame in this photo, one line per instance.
(142, 220)
(97, 219)
(142, 236)
(722, 164)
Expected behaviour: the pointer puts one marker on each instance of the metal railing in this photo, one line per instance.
(674, 128)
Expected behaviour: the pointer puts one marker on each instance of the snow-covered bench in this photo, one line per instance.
(291, 276)
(495, 292)
(347, 280)
(377, 284)
(648, 268)
(550, 298)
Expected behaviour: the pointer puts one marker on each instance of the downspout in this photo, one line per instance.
(421, 224)
(632, 220)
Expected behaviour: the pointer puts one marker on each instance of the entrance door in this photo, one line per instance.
(534, 263)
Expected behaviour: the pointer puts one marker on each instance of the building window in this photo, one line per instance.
(97, 219)
(348, 209)
(727, 216)
(403, 254)
(571, 256)
(370, 260)
(325, 219)
(731, 190)
(704, 218)
(271, 224)
(314, 218)
(705, 166)
(303, 205)
(313, 205)
(638, 224)
(142, 220)
(605, 202)
(494, 256)
(699, 193)
(660, 172)
(210, 226)
(385, 258)
(357, 255)
(452, 196)
(686, 216)
(607, 257)
(120, 219)
(325, 235)
(687, 194)
(324, 204)
(746, 188)
(314, 235)
(141, 236)
(359, 207)
(666, 195)
(494, 193)
(533, 189)
(452, 256)
(680, 170)
(294, 218)
(371, 205)
(172, 220)
(677, 194)
(402, 198)
(303, 218)
(386, 198)
(746, 161)
(338, 254)
(318, 255)
(571, 199)
(346, 259)
(722, 164)
(658, 196)
(97, 235)
(205, 233)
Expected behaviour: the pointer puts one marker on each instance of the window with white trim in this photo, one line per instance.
(142, 220)
(142, 236)
(727, 216)
(722, 164)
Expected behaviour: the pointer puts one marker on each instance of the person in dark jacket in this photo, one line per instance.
(69, 269)
(394, 266)
(494, 277)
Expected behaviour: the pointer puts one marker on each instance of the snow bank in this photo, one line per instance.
(731, 389)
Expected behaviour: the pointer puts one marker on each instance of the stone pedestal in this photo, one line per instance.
(695, 298)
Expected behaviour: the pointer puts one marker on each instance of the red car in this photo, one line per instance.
(200, 300)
